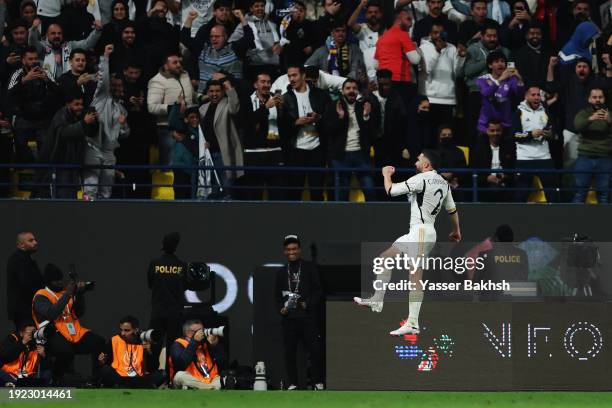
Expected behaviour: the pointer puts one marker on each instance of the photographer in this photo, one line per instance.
(298, 295)
(24, 360)
(63, 304)
(193, 358)
(128, 361)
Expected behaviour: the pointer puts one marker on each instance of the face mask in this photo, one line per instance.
(448, 142)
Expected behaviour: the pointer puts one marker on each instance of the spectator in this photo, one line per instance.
(221, 16)
(515, 27)
(392, 149)
(475, 67)
(76, 21)
(337, 57)
(334, 14)
(498, 10)
(55, 51)
(64, 305)
(470, 31)
(159, 38)
(593, 123)
(128, 48)
(23, 279)
(64, 143)
(491, 153)
(206, 12)
(194, 357)
(577, 47)
(218, 55)
(77, 79)
(327, 82)
(532, 58)
(568, 20)
(368, 33)
(497, 89)
(27, 11)
(573, 94)
(112, 119)
(262, 145)
(185, 124)
(301, 131)
(111, 32)
(441, 65)
(351, 124)
(33, 98)
(10, 56)
(533, 134)
(128, 361)
(422, 27)
(217, 116)
(265, 55)
(452, 157)
(298, 36)
(25, 362)
(396, 52)
(164, 90)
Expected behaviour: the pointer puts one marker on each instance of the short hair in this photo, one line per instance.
(577, 2)
(504, 233)
(253, 2)
(20, 22)
(444, 126)
(373, 3)
(132, 63)
(312, 71)
(535, 25)
(384, 73)
(192, 110)
(213, 82)
(262, 72)
(350, 81)
(596, 88)
(585, 60)
(171, 53)
(337, 23)
(188, 323)
(474, 2)
(299, 3)
(222, 3)
(26, 323)
(433, 157)
(30, 49)
(531, 85)
(494, 56)
(133, 321)
(300, 67)
(73, 94)
(489, 26)
(494, 121)
(77, 51)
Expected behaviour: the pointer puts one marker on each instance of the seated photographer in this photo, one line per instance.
(128, 361)
(63, 304)
(24, 362)
(193, 358)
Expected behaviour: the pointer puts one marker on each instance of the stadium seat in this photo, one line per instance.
(537, 196)
(466, 153)
(162, 185)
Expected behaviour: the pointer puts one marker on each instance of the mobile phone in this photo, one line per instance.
(511, 64)
(278, 92)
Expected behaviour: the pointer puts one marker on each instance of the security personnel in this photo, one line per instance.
(504, 261)
(25, 363)
(166, 278)
(63, 304)
(128, 361)
(193, 359)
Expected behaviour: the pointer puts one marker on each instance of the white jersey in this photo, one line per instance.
(429, 192)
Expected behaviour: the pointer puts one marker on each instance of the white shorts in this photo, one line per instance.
(418, 242)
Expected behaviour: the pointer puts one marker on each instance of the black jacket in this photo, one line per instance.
(256, 133)
(166, 279)
(309, 287)
(45, 310)
(12, 346)
(300, 35)
(337, 128)
(23, 280)
(532, 65)
(394, 128)
(481, 156)
(34, 101)
(289, 113)
(159, 38)
(68, 85)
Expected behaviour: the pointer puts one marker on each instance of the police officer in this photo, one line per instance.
(166, 279)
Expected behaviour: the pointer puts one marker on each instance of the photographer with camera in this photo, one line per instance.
(298, 295)
(128, 361)
(24, 360)
(63, 304)
(193, 358)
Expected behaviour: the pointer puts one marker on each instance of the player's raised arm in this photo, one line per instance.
(410, 186)
(451, 209)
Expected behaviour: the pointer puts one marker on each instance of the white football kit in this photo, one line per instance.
(428, 192)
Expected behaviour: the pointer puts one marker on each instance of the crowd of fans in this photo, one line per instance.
(308, 85)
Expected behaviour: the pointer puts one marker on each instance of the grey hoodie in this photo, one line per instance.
(265, 34)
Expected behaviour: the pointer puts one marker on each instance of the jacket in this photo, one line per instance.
(259, 134)
(337, 129)
(532, 64)
(23, 280)
(109, 110)
(440, 71)
(320, 59)
(290, 113)
(394, 118)
(481, 156)
(595, 136)
(305, 276)
(265, 35)
(476, 63)
(166, 277)
(35, 101)
(164, 90)
(226, 132)
(526, 119)
(497, 100)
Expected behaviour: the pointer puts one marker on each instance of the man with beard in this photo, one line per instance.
(126, 49)
(77, 80)
(532, 58)
(55, 51)
(64, 143)
(298, 36)
(470, 30)
(476, 66)
(351, 124)
(367, 33)
(159, 38)
(23, 279)
(10, 56)
(221, 16)
(435, 16)
(568, 20)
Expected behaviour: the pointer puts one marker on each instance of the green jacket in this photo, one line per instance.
(595, 136)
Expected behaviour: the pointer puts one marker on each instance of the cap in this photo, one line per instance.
(291, 239)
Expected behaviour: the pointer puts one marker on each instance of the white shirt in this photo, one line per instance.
(204, 9)
(308, 137)
(352, 139)
(428, 193)
(495, 161)
(367, 43)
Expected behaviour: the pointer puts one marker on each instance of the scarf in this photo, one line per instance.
(205, 175)
(56, 64)
(338, 59)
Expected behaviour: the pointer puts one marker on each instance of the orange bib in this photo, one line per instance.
(66, 323)
(127, 358)
(205, 369)
(23, 366)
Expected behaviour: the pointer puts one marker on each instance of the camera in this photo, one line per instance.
(75, 277)
(42, 334)
(292, 300)
(215, 331)
(198, 276)
(150, 336)
(600, 107)
(582, 252)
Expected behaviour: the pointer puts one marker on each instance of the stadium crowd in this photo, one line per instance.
(306, 84)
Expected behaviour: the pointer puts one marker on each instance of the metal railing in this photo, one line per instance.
(473, 189)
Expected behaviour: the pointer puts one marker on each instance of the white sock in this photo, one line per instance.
(384, 277)
(415, 298)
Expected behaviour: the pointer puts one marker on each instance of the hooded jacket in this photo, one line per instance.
(440, 69)
(265, 35)
(578, 45)
(526, 120)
